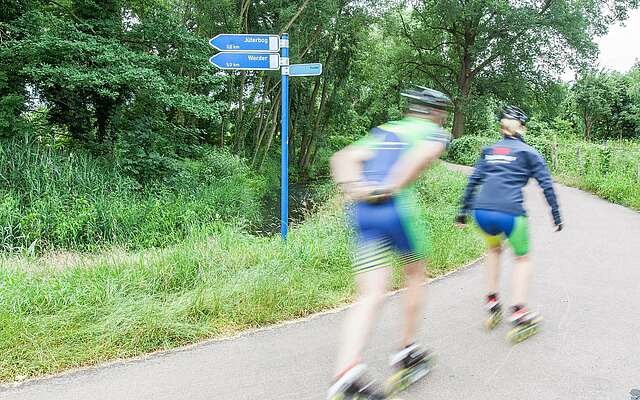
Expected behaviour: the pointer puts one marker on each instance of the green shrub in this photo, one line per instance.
(542, 145)
(466, 149)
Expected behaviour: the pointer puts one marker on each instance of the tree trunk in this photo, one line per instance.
(459, 119)
(103, 109)
(272, 132)
(304, 167)
(306, 132)
(265, 126)
(239, 139)
(460, 113)
(293, 117)
(588, 124)
(258, 134)
(464, 85)
(222, 132)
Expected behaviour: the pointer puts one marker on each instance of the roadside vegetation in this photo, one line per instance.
(67, 310)
(609, 169)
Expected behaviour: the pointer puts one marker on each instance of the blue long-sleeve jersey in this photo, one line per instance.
(501, 172)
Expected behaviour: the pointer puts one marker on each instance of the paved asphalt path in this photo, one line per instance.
(586, 284)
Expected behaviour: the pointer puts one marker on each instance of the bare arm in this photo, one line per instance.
(346, 165)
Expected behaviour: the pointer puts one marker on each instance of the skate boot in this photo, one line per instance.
(495, 312)
(350, 387)
(526, 323)
(410, 365)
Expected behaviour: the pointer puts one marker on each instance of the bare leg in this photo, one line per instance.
(414, 298)
(521, 278)
(372, 286)
(493, 268)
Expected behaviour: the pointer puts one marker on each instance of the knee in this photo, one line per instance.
(496, 249)
(416, 271)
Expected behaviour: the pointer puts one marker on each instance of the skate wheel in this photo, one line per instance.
(396, 383)
(518, 335)
(493, 321)
(402, 379)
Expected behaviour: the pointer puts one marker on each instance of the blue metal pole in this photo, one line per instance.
(284, 167)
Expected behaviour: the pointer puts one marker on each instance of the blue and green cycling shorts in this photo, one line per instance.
(496, 226)
(392, 226)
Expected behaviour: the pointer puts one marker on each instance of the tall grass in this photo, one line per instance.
(86, 309)
(610, 169)
(51, 199)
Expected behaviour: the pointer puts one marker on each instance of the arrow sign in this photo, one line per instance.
(246, 61)
(314, 69)
(237, 42)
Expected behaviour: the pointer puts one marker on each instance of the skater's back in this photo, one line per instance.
(503, 169)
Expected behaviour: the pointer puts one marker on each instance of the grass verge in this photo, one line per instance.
(610, 170)
(58, 313)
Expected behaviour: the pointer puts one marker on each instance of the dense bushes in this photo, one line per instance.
(68, 200)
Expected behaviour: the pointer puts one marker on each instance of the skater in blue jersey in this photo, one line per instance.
(493, 197)
(376, 175)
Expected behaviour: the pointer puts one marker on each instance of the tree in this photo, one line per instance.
(590, 97)
(607, 105)
(119, 79)
(500, 46)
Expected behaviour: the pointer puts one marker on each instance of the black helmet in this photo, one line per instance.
(420, 95)
(513, 112)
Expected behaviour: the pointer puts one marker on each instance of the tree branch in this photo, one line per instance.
(312, 41)
(495, 56)
(295, 17)
(451, 31)
(70, 11)
(419, 48)
(431, 75)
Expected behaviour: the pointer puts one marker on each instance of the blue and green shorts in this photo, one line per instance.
(393, 226)
(496, 226)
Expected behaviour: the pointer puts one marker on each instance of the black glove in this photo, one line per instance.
(559, 227)
(379, 195)
(461, 219)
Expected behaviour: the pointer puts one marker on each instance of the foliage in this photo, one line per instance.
(610, 170)
(114, 82)
(607, 106)
(466, 150)
(85, 310)
(500, 48)
(67, 200)
(128, 81)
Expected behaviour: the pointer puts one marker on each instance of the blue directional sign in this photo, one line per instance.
(260, 52)
(246, 61)
(314, 69)
(237, 42)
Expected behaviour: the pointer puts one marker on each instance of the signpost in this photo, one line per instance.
(251, 52)
(235, 42)
(314, 69)
(246, 61)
